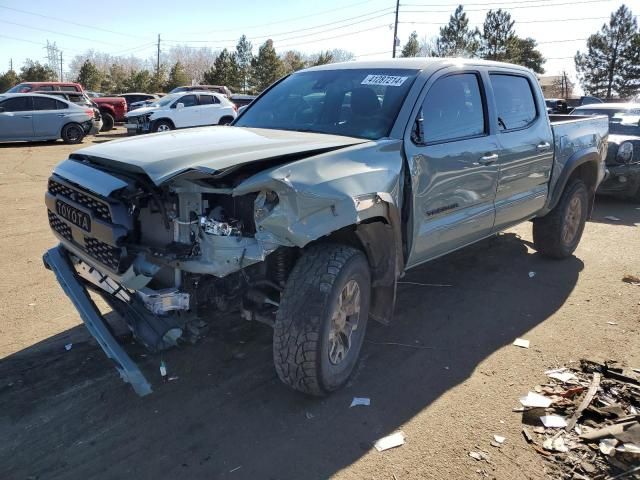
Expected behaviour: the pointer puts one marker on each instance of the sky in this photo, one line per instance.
(365, 28)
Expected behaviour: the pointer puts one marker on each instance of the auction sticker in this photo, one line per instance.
(390, 80)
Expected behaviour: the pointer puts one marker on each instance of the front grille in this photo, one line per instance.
(59, 226)
(104, 253)
(99, 208)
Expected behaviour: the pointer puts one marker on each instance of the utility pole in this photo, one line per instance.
(61, 79)
(11, 64)
(395, 29)
(158, 59)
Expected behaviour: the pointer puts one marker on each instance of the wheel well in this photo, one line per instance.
(588, 173)
(107, 110)
(168, 120)
(226, 117)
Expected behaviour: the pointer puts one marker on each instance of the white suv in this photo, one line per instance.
(181, 110)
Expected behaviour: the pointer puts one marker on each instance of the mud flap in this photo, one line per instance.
(56, 260)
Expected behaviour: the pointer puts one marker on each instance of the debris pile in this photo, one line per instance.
(586, 421)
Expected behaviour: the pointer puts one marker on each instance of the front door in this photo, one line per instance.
(16, 118)
(453, 167)
(187, 116)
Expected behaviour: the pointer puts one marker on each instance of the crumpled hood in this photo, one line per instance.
(162, 156)
(140, 111)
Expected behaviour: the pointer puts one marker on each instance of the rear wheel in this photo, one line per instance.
(107, 121)
(322, 319)
(72, 133)
(557, 234)
(163, 126)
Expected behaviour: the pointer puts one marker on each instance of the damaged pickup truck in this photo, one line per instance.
(305, 212)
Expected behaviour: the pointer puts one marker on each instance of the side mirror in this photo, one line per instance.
(417, 134)
(179, 105)
(242, 109)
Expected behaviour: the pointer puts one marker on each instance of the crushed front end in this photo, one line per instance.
(168, 259)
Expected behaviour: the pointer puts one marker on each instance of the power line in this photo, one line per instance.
(333, 36)
(513, 8)
(55, 33)
(92, 27)
(520, 21)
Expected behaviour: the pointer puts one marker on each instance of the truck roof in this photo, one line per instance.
(415, 63)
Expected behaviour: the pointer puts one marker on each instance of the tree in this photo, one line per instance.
(267, 67)
(292, 61)
(456, 39)
(177, 77)
(497, 33)
(323, 58)
(36, 72)
(522, 51)
(8, 79)
(224, 71)
(562, 87)
(139, 81)
(244, 59)
(611, 65)
(89, 77)
(412, 47)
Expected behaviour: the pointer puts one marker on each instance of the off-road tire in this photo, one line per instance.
(548, 230)
(157, 126)
(72, 133)
(107, 121)
(303, 321)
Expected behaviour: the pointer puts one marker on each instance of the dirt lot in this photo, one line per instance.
(65, 414)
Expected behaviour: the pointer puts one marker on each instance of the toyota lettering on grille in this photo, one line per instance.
(75, 216)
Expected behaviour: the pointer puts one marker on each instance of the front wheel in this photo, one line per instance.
(163, 126)
(557, 234)
(322, 319)
(72, 133)
(108, 122)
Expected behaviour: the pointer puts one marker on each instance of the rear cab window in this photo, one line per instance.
(515, 101)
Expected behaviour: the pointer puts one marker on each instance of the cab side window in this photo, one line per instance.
(514, 101)
(453, 109)
(43, 103)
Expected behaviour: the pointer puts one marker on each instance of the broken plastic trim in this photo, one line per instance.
(56, 260)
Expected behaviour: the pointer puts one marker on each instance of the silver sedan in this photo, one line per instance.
(35, 117)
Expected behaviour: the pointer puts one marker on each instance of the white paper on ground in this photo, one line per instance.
(533, 399)
(521, 342)
(499, 439)
(612, 218)
(561, 374)
(357, 401)
(553, 421)
(390, 441)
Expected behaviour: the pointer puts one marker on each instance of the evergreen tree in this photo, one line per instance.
(522, 51)
(323, 58)
(36, 72)
(412, 47)
(497, 34)
(267, 67)
(292, 61)
(244, 59)
(89, 76)
(456, 39)
(8, 79)
(139, 81)
(177, 77)
(611, 65)
(224, 71)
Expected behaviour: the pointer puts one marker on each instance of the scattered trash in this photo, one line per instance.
(612, 218)
(68, 346)
(31, 304)
(591, 421)
(535, 400)
(532, 274)
(309, 415)
(390, 441)
(521, 342)
(360, 401)
(612, 323)
(499, 439)
(163, 370)
(632, 279)
(424, 284)
(235, 469)
(479, 456)
(171, 379)
(553, 421)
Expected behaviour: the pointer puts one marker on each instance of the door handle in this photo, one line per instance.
(62, 114)
(543, 147)
(26, 116)
(488, 159)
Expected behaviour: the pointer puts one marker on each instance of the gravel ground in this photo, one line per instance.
(65, 414)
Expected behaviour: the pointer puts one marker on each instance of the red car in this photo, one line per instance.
(112, 109)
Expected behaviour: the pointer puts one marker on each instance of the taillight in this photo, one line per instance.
(235, 107)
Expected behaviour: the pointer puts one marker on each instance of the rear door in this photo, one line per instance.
(16, 118)
(47, 117)
(526, 142)
(453, 169)
(210, 108)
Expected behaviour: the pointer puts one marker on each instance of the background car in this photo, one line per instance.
(132, 98)
(182, 110)
(29, 117)
(26, 87)
(81, 99)
(623, 154)
(209, 88)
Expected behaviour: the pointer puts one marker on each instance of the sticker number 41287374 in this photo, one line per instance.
(390, 80)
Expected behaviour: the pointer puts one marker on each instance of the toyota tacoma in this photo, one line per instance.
(307, 210)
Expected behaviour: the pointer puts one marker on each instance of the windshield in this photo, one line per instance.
(20, 88)
(621, 122)
(179, 89)
(164, 101)
(359, 103)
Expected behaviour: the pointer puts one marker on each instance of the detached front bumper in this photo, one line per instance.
(138, 124)
(622, 181)
(57, 260)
